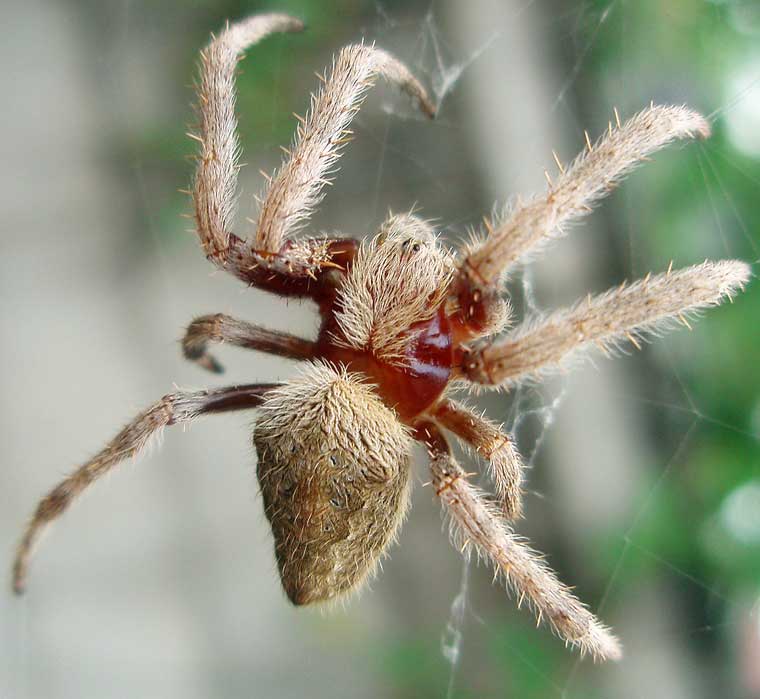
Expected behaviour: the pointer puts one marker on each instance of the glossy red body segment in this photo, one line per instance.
(409, 389)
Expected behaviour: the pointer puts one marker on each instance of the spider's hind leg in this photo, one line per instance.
(223, 328)
(170, 410)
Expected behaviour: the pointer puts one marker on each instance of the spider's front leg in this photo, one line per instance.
(494, 445)
(528, 226)
(170, 410)
(272, 260)
(475, 522)
(214, 190)
(297, 188)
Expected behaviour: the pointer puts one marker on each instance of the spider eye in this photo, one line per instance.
(410, 242)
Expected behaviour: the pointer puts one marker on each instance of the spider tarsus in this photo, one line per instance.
(603, 645)
(428, 108)
(209, 362)
(18, 583)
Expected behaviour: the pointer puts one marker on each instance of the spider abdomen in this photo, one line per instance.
(334, 474)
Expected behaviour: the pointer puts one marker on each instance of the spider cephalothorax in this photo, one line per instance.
(404, 323)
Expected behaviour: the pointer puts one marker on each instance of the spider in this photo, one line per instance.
(404, 322)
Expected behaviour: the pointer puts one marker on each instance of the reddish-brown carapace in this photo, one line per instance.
(405, 323)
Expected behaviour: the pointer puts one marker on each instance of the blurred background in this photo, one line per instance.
(644, 488)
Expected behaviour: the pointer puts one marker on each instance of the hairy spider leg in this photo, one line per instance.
(628, 312)
(592, 175)
(223, 328)
(170, 410)
(214, 189)
(298, 186)
(474, 522)
(270, 260)
(493, 444)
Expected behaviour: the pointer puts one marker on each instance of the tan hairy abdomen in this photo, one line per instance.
(330, 524)
(334, 491)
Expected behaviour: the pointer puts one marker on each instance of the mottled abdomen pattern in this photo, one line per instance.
(333, 466)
